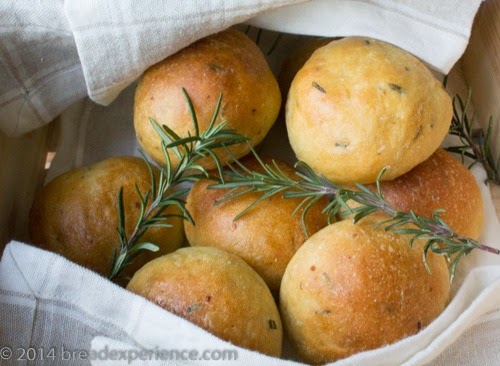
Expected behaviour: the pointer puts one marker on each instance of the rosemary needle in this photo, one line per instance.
(439, 237)
(307, 185)
(477, 149)
(153, 203)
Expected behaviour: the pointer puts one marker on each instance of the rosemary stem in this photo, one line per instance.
(332, 190)
(477, 152)
(383, 206)
(189, 151)
(488, 249)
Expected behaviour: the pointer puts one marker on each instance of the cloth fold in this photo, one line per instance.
(56, 52)
(438, 35)
(41, 295)
(40, 71)
(117, 41)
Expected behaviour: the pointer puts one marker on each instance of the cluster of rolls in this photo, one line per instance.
(355, 106)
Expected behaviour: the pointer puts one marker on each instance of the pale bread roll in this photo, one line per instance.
(76, 214)
(228, 62)
(217, 291)
(352, 288)
(358, 105)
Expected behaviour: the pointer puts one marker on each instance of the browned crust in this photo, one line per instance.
(440, 182)
(351, 288)
(76, 214)
(229, 63)
(266, 237)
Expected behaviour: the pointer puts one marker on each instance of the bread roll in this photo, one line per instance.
(358, 105)
(229, 63)
(266, 237)
(440, 182)
(217, 291)
(352, 288)
(76, 214)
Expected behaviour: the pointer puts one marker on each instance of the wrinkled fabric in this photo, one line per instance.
(54, 52)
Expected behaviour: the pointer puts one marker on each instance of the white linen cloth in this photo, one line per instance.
(54, 53)
(47, 302)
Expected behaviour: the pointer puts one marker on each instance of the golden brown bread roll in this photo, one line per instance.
(217, 291)
(76, 214)
(440, 182)
(352, 287)
(358, 105)
(229, 63)
(266, 237)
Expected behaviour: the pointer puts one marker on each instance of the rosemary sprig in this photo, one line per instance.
(165, 191)
(311, 187)
(474, 144)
